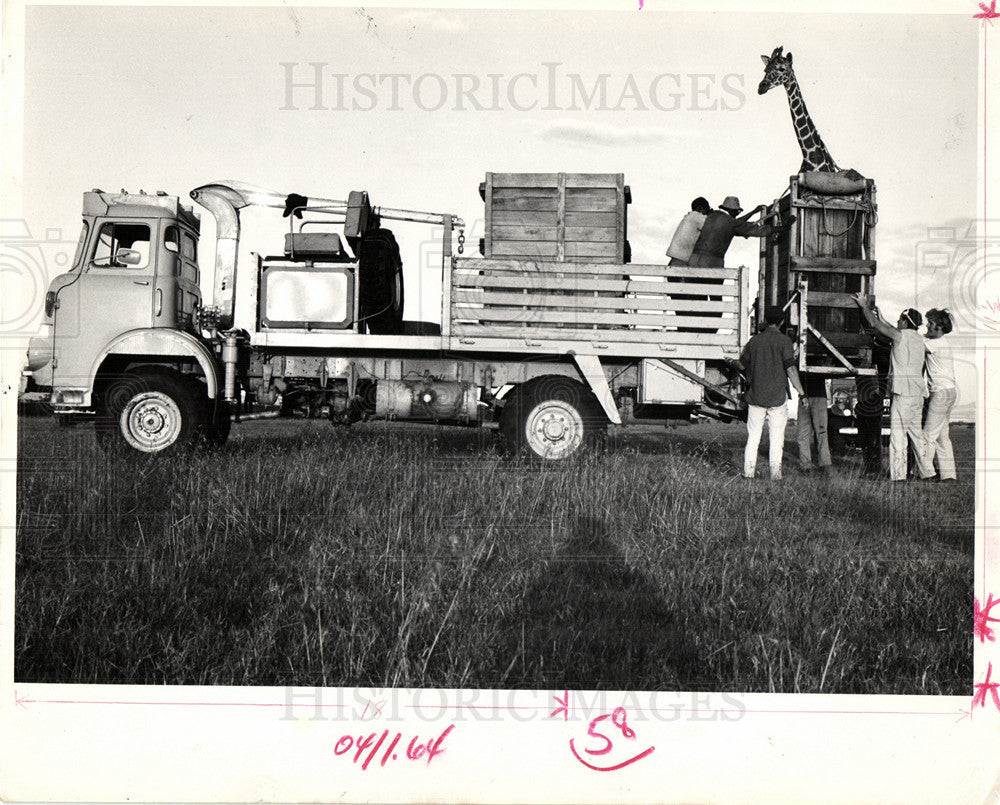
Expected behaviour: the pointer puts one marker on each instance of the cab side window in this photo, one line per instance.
(122, 245)
(184, 245)
(171, 239)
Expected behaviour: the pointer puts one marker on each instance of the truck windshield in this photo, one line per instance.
(117, 236)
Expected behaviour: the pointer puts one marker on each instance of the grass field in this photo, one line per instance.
(390, 555)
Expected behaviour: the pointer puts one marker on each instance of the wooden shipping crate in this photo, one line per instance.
(558, 217)
(831, 246)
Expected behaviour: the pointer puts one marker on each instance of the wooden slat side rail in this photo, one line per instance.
(467, 296)
(587, 336)
(541, 282)
(580, 318)
(684, 273)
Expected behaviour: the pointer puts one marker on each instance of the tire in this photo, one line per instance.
(551, 418)
(148, 411)
(380, 270)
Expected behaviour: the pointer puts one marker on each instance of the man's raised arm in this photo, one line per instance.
(875, 321)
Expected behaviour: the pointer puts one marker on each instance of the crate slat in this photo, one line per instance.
(820, 299)
(516, 180)
(576, 248)
(524, 192)
(525, 231)
(591, 199)
(833, 265)
(518, 218)
(525, 248)
(522, 204)
(605, 220)
(592, 234)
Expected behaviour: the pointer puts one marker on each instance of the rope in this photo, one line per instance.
(871, 216)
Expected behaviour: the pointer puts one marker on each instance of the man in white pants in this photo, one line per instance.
(769, 362)
(906, 380)
(941, 379)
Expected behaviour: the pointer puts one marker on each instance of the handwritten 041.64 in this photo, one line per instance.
(356, 747)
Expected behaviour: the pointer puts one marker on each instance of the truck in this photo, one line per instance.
(549, 336)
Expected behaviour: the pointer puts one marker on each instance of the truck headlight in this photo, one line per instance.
(841, 402)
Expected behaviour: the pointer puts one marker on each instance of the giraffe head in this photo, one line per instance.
(777, 70)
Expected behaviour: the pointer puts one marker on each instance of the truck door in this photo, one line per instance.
(113, 294)
(176, 285)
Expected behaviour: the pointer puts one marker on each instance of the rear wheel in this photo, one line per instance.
(149, 411)
(551, 418)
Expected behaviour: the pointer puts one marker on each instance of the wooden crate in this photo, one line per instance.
(556, 217)
(831, 245)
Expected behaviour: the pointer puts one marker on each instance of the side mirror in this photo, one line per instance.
(128, 257)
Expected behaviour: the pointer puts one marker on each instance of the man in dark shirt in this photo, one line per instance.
(768, 360)
(719, 229)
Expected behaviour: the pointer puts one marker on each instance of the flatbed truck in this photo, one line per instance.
(550, 336)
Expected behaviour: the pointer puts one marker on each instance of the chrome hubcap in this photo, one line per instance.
(151, 421)
(554, 430)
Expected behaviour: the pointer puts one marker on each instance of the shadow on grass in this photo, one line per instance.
(592, 622)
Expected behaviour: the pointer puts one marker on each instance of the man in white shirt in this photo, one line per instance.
(941, 379)
(906, 379)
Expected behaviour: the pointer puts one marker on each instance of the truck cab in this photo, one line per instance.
(129, 299)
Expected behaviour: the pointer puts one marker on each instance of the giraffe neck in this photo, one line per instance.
(815, 157)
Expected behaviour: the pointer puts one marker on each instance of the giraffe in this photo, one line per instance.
(778, 70)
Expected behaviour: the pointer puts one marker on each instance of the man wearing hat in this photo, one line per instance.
(719, 229)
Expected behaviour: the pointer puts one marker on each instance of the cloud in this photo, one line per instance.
(588, 132)
(439, 21)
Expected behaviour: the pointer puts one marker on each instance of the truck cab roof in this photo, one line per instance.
(139, 205)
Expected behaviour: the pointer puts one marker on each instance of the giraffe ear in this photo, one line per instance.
(789, 56)
(764, 59)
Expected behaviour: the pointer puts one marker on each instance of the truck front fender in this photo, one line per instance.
(168, 343)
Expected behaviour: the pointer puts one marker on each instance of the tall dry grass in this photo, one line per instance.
(404, 556)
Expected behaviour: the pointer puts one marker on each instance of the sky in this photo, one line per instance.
(177, 97)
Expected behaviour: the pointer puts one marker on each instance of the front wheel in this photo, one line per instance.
(551, 418)
(149, 411)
